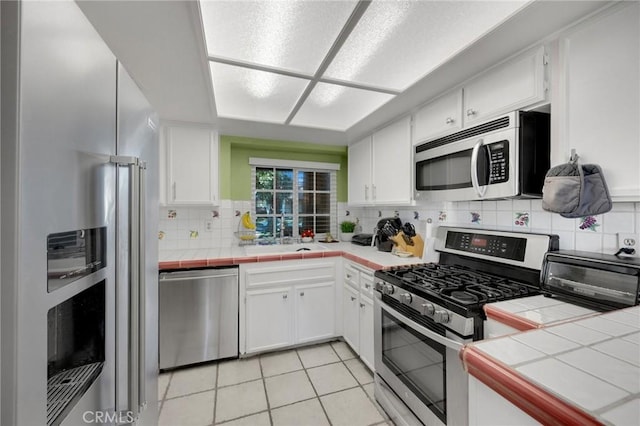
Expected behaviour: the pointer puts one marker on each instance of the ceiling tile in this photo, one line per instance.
(396, 43)
(330, 106)
(289, 35)
(254, 95)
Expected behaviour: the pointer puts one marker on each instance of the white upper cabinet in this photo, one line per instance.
(437, 118)
(360, 172)
(515, 84)
(391, 166)
(191, 166)
(598, 108)
(380, 167)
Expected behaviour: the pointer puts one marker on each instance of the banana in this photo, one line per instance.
(247, 222)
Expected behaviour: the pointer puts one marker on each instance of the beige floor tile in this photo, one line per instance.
(343, 350)
(163, 383)
(307, 413)
(279, 363)
(317, 355)
(288, 388)
(350, 408)
(369, 388)
(360, 371)
(240, 400)
(192, 410)
(238, 371)
(191, 380)
(260, 419)
(331, 378)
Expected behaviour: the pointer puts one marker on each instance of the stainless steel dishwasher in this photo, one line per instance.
(198, 316)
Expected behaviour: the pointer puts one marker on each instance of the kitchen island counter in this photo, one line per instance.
(582, 372)
(366, 256)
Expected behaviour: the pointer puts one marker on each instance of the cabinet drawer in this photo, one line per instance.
(366, 284)
(351, 276)
(300, 273)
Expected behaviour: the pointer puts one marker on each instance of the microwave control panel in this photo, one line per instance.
(499, 152)
(489, 245)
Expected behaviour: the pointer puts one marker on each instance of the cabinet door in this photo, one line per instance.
(366, 331)
(269, 316)
(442, 116)
(351, 317)
(192, 162)
(600, 63)
(360, 172)
(315, 312)
(392, 164)
(516, 84)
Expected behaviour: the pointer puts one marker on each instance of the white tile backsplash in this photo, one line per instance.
(501, 214)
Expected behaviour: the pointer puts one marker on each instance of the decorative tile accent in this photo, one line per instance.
(215, 214)
(416, 215)
(172, 214)
(238, 213)
(193, 234)
(590, 223)
(396, 213)
(347, 213)
(161, 235)
(379, 213)
(522, 219)
(475, 217)
(442, 217)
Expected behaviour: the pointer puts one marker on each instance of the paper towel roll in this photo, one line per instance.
(429, 254)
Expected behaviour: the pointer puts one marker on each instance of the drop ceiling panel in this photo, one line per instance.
(290, 35)
(330, 106)
(396, 43)
(249, 94)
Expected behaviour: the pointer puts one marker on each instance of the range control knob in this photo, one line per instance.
(379, 286)
(389, 289)
(406, 298)
(441, 316)
(428, 309)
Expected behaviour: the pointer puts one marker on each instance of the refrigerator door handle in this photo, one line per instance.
(136, 388)
(142, 289)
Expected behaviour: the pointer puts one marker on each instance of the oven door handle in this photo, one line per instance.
(451, 344)
(474, 169)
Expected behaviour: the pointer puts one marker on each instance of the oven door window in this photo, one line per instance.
(419, 362)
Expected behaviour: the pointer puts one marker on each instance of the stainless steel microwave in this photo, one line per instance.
(507, 157)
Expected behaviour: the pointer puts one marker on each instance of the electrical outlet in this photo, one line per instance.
(629, 241)
(208, 226)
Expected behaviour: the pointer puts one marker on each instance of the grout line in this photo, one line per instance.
(215, 399)
(314, 388)
(266, 394)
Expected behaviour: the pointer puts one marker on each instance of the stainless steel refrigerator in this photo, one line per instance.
(78, 228)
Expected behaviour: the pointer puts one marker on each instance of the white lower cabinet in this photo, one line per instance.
(366, 330)
(357, 310)
(488, 408)
(315, 317)
(269, 321)
(351, 317)
(286, 303)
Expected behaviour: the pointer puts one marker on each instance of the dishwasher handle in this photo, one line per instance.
(167, 277)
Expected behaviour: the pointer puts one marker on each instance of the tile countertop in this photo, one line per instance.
(529, 313)
(196, 258)
(581, 372)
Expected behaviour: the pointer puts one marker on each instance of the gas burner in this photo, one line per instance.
(464, 297)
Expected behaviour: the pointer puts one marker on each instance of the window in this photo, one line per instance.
(294, 198)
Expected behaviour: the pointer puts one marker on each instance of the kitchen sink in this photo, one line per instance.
(282, 249)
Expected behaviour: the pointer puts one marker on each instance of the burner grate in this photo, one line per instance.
(66, 387)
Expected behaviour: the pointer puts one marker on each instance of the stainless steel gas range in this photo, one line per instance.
(424, 314)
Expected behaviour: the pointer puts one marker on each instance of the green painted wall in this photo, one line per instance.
(235, 172)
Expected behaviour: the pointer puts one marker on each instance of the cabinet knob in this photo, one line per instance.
(362, 305)
(353, 299)
(449, 120)
(348, 275)
(470, 112)
(284, 296)
(366, 192)
(302, 293)
(367, 286)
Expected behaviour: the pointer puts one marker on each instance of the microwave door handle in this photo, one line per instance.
(474, 169)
